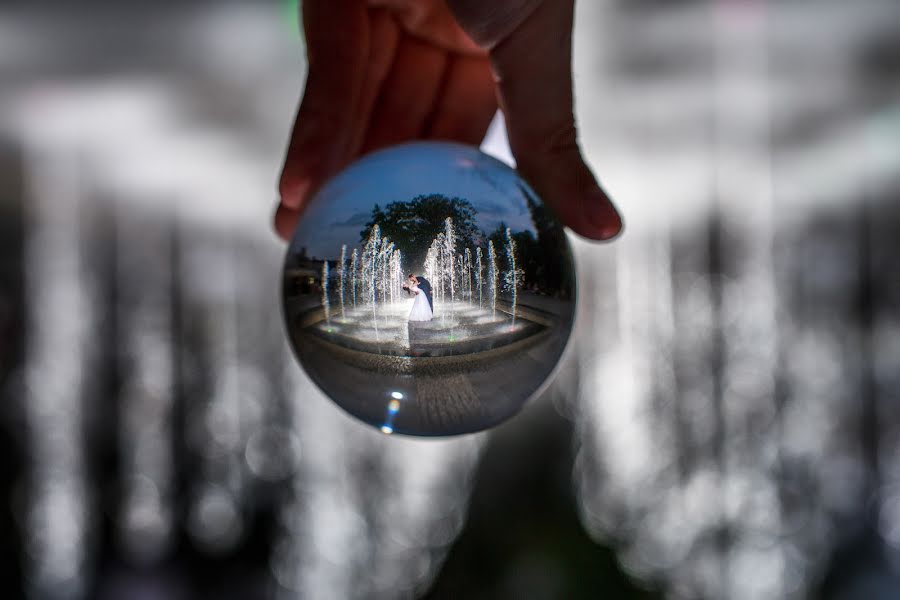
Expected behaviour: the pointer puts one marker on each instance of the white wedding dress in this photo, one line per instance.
(421, 310)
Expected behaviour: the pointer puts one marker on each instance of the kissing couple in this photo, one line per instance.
(423, 306)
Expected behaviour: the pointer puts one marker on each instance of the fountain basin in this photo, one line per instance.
(460, 330)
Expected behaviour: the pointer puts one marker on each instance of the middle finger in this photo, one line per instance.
(408, 94)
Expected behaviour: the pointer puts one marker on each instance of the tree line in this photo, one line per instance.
(413, 224)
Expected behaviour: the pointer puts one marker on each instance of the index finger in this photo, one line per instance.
(533, 67)
(337, 39)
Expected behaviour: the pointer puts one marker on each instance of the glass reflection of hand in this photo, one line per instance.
(382, 72)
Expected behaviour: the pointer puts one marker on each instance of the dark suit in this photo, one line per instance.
(425, 286)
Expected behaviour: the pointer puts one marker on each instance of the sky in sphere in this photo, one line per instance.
(341, 209)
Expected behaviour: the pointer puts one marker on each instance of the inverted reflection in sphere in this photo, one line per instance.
(428, 290)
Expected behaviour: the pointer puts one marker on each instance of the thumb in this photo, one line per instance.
(533, 67)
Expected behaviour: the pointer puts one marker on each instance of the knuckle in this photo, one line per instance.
(562, 140)
(554, 144)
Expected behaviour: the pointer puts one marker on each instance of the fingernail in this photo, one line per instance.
(602, 215)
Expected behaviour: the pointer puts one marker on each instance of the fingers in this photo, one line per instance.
(384, 37)
(488, 23)
(337, 37)
(466, 102)
(533, 70)
(407, 95)
(431, 20)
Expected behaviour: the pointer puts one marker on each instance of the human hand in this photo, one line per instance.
(383, 72)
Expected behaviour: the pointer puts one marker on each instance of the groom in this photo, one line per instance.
(425, 286)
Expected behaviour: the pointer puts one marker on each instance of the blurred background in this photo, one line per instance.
(724, 424)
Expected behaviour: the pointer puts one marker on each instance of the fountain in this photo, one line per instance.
(450, 252)
(370, 267)
(376, 320)
(325, 302)
(431, 270)
(381, 278)
(343, 275)
(467, 273)
(354, 269)
(493, 275)
(513, 276)
(478, 269)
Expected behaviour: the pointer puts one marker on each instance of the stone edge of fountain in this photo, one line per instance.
(421, 365)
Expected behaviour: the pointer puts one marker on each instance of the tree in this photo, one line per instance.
(528, 255)
(413, 224)
(551, 245)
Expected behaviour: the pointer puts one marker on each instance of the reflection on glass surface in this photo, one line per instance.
(429, 274)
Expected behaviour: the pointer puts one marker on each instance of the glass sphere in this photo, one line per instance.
(428, 290)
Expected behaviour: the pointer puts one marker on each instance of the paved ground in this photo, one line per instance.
(442, 395)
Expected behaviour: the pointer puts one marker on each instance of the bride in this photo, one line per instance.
(421, 309)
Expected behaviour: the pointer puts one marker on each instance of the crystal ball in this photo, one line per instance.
(428, 291)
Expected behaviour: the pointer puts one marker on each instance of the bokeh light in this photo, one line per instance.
(728, 399)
